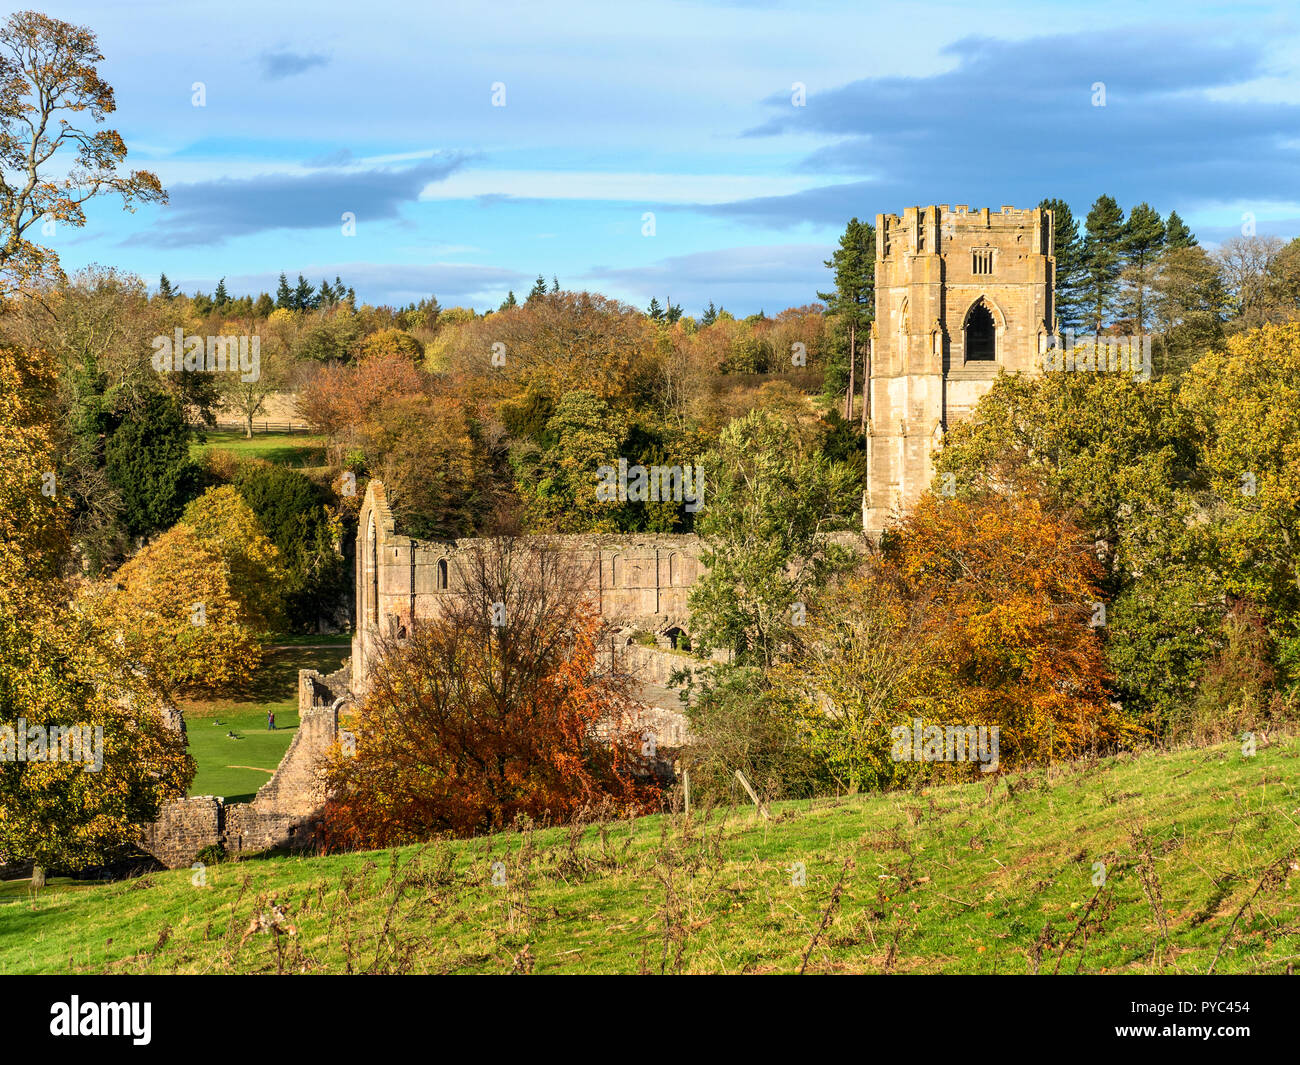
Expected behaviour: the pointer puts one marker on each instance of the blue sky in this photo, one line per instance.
(682, 110)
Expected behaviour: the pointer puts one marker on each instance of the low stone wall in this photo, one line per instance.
(184, 828)
(285, 811)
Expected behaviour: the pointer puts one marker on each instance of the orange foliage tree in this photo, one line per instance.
(468, 724)
(1012, 614)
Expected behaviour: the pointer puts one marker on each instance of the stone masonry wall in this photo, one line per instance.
(936, 268)
(636, 579)
(285, 810)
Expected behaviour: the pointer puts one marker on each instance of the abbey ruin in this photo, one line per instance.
(960, 295)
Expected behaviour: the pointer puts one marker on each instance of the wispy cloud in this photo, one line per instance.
(285, 64)
(211, 212)
(751, 276)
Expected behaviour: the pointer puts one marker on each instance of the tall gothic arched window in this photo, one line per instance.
(372, 561)
(981, 335)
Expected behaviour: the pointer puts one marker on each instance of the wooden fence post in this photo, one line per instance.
(744, 783)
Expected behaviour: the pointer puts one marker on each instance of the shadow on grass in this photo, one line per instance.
(278, 678)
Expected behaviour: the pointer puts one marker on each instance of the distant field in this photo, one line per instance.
(1158, 863)
(302, 451)
(236, 768)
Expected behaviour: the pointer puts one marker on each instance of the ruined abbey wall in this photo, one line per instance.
(638, 580)
(283, 813)
(635, 581)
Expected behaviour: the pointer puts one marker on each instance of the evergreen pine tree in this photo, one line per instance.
(654, 310)
(509, 301)
(284, 294)
(304, 296)
(1068, 250)
(853, 303)
(165, 289)
(325, 295)
(538, 290)
(1143, 241)
(148, 462)
(221, 297)
(555, 283)
(1177, 235)
(264, 306)
(710, 315)
(1103, 246)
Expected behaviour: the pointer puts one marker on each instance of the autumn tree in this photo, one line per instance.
(862, 653)
(227, 524)
(52, 161)
(433, 460)
(500, 706)
(390, 342)
(173, 611)
(1117, 457)
(1010, 594)
(245, 387)
(57, 671)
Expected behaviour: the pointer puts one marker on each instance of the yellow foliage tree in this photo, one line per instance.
(175, 613)
(228, 525)
(56, 670)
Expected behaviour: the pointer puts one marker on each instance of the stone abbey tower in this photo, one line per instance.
(960, 295)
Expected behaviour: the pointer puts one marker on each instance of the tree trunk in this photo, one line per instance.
(248, 431)
(38, 877)
(848, 395)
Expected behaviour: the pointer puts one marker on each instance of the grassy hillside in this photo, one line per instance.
(1200, 849)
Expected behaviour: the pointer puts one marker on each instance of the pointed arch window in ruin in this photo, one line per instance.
(442, 574)
(981, 335)
(372, 559)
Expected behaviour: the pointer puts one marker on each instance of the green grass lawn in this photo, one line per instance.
(1199, 849)
(297, 450)
(236, 768)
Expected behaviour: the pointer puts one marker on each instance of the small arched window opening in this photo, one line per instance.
(615, 571)
(442, 574)
(981, 335)
(677, 639)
